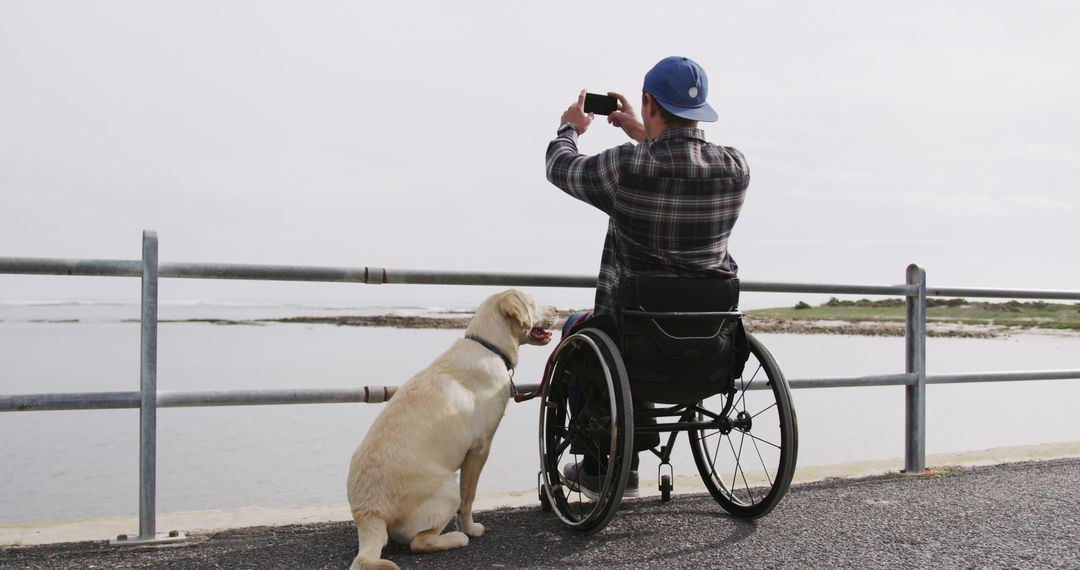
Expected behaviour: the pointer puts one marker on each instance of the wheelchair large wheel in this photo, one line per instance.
(747, 463)
(587, 369)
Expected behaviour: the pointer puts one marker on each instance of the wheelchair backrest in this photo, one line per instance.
(681, 295)
(686, 357)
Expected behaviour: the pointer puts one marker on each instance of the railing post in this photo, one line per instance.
(915, 362)
(148, 404)
(148, 389)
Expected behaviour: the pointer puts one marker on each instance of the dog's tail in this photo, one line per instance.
(371, 532)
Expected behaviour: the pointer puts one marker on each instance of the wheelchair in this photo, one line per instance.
(674, 358)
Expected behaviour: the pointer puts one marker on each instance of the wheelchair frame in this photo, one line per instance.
(605, 429)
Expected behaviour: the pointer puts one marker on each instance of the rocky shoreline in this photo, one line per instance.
(872, 328)
(391, 321)
(753, 324)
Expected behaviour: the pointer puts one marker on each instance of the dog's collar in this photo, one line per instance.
(506, 359)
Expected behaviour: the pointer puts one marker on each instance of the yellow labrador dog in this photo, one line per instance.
(402, 481)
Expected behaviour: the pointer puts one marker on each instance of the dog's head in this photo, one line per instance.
(528, 322)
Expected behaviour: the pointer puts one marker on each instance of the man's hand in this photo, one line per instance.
(625, 118)
(575, 115)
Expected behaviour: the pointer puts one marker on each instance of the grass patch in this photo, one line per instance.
(1027, 314)
(948, 471)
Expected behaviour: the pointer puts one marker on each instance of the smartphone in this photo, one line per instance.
(600, 104)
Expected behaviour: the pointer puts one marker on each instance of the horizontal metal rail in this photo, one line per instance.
(70, 401)
(81, 267)
(782, 287)
(193, 399)
(369, 275)
(382, 275)
(1002, 293)
(858, 381)
(967, 377)
(375, 275)
(380, 394)
(366, 394)
(249, 272)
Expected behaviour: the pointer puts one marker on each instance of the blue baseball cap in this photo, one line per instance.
(679, 85)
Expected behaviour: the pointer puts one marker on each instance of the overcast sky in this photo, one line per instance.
(411, 135)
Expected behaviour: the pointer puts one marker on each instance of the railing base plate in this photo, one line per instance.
(172, 537)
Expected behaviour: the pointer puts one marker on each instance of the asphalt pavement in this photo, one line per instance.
(1019, 515)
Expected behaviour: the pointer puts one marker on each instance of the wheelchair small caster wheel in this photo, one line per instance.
(545, 504)
(665, 488)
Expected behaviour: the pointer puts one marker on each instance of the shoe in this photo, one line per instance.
(575, 477)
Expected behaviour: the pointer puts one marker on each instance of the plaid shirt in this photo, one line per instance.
(672, 201)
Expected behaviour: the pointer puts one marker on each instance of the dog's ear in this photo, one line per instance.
(512, 304)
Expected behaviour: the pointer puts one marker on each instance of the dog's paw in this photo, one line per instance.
(474, 530)
(373, 565)
(428, 541)
(455, 539)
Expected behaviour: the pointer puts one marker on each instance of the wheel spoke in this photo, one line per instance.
(768, 477)
(716, 457)
(740, 471)
(577, 468)
(770, 406)
(748, 384)
(744, 387)
(735, 471)
(704, 437)
(765, 441)
(760, 366)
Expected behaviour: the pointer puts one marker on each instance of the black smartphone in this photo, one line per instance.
(600, 104)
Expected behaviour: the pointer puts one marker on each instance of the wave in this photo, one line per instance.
(66, 303)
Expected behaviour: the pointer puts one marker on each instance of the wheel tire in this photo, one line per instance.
(763, 425)
(665, 488)
(588, 362)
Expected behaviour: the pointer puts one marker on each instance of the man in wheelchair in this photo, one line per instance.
(672, 200)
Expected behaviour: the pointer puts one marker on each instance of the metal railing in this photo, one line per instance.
(148, 399)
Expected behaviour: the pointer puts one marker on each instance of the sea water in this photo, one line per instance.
(77, 464)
